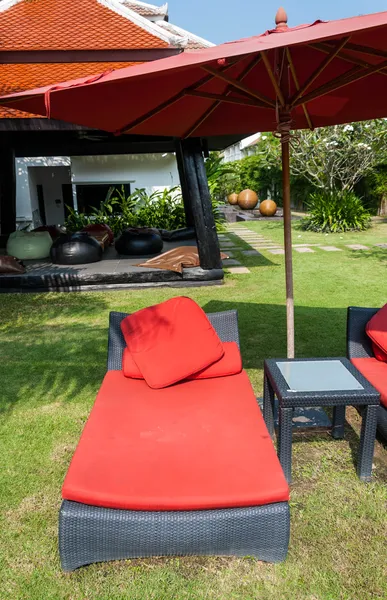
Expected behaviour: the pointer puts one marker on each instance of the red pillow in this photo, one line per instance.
(171, 341)
(376, 329)
(229, 364)
(378, 353)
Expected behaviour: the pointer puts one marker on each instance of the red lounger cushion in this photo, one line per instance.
(229, 364)
(171, 341)
(376, 329)
(378, 353)
(376, 372)
(197, 445)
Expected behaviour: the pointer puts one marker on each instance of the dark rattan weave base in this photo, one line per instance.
(89, 534)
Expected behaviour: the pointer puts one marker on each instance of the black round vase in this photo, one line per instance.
(75, 249)
(139, 242)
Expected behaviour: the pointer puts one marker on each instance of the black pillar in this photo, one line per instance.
(7, 186)
(200, 201)
(184, 185)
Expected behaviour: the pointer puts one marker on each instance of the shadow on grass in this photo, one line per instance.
(262, 330)
(375, 253)
(51, 355)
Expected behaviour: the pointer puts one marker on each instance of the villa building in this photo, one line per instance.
(53, 165)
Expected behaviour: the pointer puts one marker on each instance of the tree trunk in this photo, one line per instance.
(382, 210)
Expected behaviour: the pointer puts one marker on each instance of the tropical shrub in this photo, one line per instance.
(162, 209)
(334, 212)
(221, 177)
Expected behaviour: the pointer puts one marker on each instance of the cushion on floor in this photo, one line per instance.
(376, 372)
(197, 445)
(376, 329)
(229, 364)
(171, 341)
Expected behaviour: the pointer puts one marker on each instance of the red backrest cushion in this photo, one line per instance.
(378, 353)
(171, 341)
(376, 329)
(229, 364)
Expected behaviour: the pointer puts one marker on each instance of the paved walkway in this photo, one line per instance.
(230, 243)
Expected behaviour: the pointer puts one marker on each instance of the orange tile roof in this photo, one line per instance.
(16, 78)
(78, 25)
(70, 25)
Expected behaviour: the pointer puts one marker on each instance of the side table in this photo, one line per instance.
(319, 382)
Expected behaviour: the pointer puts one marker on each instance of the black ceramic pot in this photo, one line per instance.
(139, 242)
(75, 249)
(178, 235)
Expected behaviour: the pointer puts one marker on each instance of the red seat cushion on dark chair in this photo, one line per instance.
(171, 341)
(376, 329)
(196, 445)
(229, 364)
(376, 372)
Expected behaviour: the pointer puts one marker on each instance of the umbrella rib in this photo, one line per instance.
(276, 87)
(296, 83)
(320, 69)
(365, 50)
(353, 75)
(230, 99)
(158, 109)
(323, 47)
(240, 86)
(214, 106)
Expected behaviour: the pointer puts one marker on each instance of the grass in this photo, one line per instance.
(377, 233)
(53, 350)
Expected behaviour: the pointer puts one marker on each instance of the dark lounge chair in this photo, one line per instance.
(359, 350)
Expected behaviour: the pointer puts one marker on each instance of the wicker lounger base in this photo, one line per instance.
(382, 421)
(89, 534)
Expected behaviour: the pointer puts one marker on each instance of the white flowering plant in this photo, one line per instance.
(338, 157)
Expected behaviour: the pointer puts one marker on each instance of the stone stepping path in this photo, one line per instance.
(258, 242)
(230, 261)
(239, 270)
(357, 247)
(276, 251)
(330, 248)
(251, 253)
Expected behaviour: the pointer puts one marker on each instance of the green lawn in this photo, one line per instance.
(374, 235)
(53, 355)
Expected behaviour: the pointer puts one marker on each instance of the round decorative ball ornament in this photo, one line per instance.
(268, 208)
(247, 200)
(232, 198)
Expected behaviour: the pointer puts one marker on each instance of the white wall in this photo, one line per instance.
(150, 171)
(26, 197)
(51, 178)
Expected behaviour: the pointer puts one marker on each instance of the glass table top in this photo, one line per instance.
(318, 376)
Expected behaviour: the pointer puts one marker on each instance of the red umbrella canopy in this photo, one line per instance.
(323, 74)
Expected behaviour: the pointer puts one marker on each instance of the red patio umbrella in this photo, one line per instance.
(309, 76)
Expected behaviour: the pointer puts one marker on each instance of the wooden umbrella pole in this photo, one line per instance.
(284, 125)
(288, 243)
